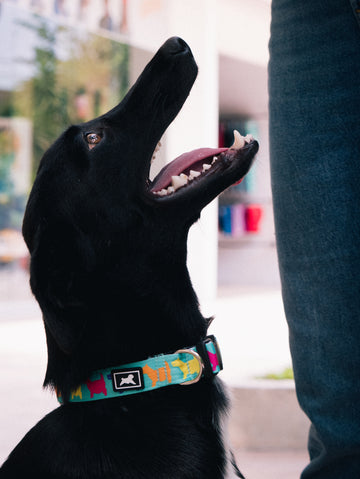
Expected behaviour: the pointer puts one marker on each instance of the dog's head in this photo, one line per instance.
(108, 246)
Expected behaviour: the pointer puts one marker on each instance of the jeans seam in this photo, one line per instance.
(355, 5)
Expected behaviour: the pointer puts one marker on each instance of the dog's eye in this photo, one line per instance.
(93, 139)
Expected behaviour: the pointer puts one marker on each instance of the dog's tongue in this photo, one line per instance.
(182, 163)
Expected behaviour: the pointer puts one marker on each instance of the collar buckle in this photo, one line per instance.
(197, 357)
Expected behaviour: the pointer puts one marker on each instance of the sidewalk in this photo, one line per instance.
(251, 331)
(271, 464)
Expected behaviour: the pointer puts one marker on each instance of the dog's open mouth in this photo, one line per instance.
(193, 167)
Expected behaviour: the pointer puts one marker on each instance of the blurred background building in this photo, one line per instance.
(66, 61)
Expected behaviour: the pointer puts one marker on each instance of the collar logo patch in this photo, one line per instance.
(124, 379)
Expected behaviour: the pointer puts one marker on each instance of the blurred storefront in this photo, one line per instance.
(65, 61)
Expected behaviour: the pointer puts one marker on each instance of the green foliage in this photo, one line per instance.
(92, 67)
(74, 76)
(287, 373)
(49, 114)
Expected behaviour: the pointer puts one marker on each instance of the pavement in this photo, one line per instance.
(271, 464)
(249, 325)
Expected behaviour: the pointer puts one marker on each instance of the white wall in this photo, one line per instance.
(233, 34)
(243, 27)
(197, 124)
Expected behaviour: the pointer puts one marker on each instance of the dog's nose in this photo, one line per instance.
(176, 45)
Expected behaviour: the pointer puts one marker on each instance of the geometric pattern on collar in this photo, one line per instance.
(185, 366)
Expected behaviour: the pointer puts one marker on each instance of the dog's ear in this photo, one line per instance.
(61, 259)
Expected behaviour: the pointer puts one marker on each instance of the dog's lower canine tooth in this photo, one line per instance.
(206, 167)
(178, 182)
(239, 141)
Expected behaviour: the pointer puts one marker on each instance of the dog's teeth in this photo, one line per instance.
(239, 141)
(194, 174)
(206, 167)
(214, 160)
(162, 192)
(171, 189)
(177, 182)
(249, 138)
(184, 177)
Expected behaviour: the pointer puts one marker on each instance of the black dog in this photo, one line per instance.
(108, 268)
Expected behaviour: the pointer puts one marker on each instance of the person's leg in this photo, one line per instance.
(314, 87)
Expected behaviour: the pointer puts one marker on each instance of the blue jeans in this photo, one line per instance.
(314, 88)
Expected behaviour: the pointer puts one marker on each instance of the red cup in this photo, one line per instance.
(253, 215)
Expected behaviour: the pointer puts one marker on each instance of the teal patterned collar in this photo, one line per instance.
(185, 366)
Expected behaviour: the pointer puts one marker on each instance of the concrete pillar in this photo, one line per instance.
(151, 23)
(197, 126)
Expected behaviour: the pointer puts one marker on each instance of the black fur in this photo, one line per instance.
(108, 268)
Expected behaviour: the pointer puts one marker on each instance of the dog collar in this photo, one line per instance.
(185, 366)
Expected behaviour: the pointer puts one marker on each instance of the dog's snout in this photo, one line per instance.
(176, 45)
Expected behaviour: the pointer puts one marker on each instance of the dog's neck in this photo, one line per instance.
(129, 320)
(185, 366)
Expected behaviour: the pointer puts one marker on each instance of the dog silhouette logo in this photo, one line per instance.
(124, 379)
(128, 380)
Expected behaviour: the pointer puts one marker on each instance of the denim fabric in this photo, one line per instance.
(356, 7)
(314, 88)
